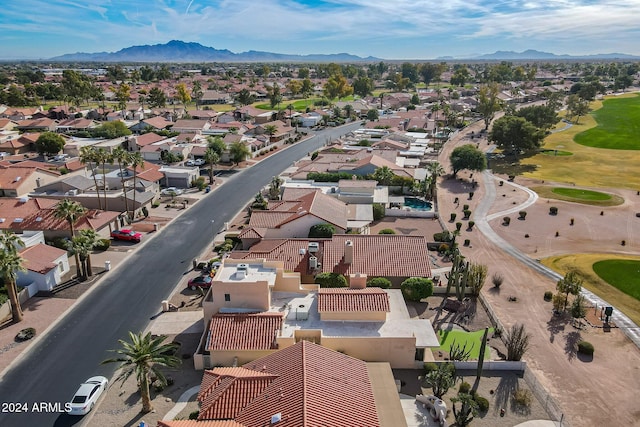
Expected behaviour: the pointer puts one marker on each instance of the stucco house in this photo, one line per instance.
(45, 265)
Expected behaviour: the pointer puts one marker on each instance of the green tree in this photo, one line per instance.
(157, 98)
(363, 86)
(273, 92)
(578, 307)
(337, 87)
(212, 158)
(431, 72)
(440, 380)
(274, 188)
(571, 283)
(541, 116)
(49, 143)
(123, 158)
(216, 144)
(88, 157)
(136, 162)
(378, 211)
(196, 92)
(321, 230)
(577, 107)
(270, 130)
(467, 157)
(383, 175)
(245, 97)
(488, 102)
(238, 152)
(142, 356)
(111, 130)
(417, 288)
(71, 212)
(10, 263)
(331, 280)
(372, 115)
(434, 171)
(460, 76)
(379, 282)
(515, 134)
(122, 94)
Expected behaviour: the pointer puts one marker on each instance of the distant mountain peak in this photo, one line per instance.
(180, 51)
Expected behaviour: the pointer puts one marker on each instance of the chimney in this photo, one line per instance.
(348, 252)
(357, 281)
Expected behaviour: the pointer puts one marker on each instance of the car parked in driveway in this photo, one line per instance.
(87, 395)
(171, 191)
(203, 282)
(127, 235)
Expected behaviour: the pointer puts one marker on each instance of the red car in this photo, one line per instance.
(128, 235)
(199, 282)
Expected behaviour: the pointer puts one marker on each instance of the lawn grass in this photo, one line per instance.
(589, 166)
(556, 153)
(624, 274)
(461, 338)
(583, 265)
(618, 125)
(577, 195)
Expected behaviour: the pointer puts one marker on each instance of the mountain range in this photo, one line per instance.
(179, 51)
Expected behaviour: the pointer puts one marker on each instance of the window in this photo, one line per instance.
(227, 297)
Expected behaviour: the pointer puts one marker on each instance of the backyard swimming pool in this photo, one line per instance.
(417, 204)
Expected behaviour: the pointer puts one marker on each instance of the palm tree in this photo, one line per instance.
(270, 130)
(71, 211)
(10, 264)
(383, 175)
(79, 248)
(212, 158)
(123, 158)
(435, 170)
(142, 356)
(102, 157)
(136, 161)
(88, 156)
(89, 239)
(348, 110)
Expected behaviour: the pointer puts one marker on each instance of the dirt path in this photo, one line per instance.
(584, 388)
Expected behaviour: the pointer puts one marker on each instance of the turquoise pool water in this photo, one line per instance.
(417, 204)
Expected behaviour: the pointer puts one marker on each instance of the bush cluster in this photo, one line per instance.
(548, 295)
(586, 348)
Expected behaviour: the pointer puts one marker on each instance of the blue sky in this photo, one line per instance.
(388, 29)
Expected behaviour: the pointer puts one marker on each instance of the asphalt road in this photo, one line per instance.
(127, 297)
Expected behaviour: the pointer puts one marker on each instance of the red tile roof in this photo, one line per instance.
(148, 138)
(195, 423)
(243, 331)
(368, 299)
(285, 250)
(40, 258)
(315, 386)
(225, 392)
(378, 255)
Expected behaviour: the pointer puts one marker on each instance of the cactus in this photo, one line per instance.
(481, 356)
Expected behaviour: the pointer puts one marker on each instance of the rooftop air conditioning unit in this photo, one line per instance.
(73, 192)
(314, 247)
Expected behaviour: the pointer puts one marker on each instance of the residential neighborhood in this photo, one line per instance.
(370, 244)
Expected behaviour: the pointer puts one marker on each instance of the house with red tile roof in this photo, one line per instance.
(20, 179)
(40, 125)
(7, 124)
(254, 307)
(14, 144)
(73, 125)
(304, 384)
(154, 123)
(45, 265)
(294, 218)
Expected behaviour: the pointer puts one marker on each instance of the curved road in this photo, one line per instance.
(127, 297)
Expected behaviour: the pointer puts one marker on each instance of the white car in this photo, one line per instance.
(198, 162)
(87, 395)
(171, 191)
(190, 163)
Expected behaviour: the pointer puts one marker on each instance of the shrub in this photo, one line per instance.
(378, 211)
(522, 397)
(158, 385)
(467, 242)
(465, 208)
(522, 215)
(331, 280)
(103, 244)
(471, 195)
(586, 348)
(467, 213)
(321, 230)
(497, 279)
(145, 211)
(506, 220)
(453, 216)
(194, 415)
(444, 236)
(458, 226)
(571, 221)
(429, 367)
(464, 387)
(557, 233)
(526, 236)
(386, 231)
(417, 288)
(379, 282)
(548, 295)
(443, 248)
(553, 210)
(470, 225)
(483, 403)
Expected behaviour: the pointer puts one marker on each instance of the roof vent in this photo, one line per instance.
(18, 178)
(18, 220)
(302, 251)
(24, 199)
(39, 219)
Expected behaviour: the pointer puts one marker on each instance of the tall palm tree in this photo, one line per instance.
(212, 158)
(270, 130)
(90, 239)
(435, 171)
(136, 161)
(88, 156)
(102, 157)
(71, 211)
(79, 248)
(141, 357)
(383, 175)
(10, 264)
(122, 157)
